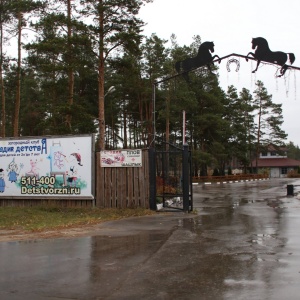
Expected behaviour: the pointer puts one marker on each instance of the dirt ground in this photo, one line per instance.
(19, 235)
(111, 227)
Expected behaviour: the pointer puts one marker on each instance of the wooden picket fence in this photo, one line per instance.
(122, 187)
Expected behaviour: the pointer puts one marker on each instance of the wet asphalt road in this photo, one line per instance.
(243, 243)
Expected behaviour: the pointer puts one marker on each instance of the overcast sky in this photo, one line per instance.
(231, 25)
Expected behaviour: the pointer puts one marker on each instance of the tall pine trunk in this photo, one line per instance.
(70, 68)
(3, 110)
(101, 80)
(18, 76)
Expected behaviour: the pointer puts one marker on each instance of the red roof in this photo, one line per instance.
(275, 162)
(272, 148)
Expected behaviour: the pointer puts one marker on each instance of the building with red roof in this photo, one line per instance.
(275, 160)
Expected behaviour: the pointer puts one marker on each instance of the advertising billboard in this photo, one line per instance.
(121, 158)
(46, 167)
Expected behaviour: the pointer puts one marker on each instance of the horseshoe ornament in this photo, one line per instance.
(233, 60)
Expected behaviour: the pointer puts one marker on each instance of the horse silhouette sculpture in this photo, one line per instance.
(263, 53)
(203, 58)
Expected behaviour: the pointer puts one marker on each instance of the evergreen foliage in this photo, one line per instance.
(79, 49)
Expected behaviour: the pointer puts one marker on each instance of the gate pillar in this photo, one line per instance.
(185, 178)
(152, 178)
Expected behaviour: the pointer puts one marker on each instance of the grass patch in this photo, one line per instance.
(48, 218)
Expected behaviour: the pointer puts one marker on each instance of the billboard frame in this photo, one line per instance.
(37, 170)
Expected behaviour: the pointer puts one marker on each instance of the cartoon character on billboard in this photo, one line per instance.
(59, 159)
(2, 181)
(12, 170)
(77, 157)
(33, 169)
(72, 174)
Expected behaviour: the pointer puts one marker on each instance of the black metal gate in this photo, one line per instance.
(171, 178)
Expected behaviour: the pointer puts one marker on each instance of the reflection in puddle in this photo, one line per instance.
(243, 282)
(115, 254)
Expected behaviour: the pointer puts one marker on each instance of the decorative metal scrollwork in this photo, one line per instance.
(233, 60)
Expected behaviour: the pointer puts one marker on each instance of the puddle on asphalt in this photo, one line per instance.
(120, 245)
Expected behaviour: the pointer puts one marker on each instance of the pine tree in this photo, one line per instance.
(21, 11)
(62, 48)
(269, 119)
(115, 26)
(4, 20)
(240, 116)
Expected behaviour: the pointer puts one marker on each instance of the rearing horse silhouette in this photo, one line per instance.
(203, 57)
(263, 53)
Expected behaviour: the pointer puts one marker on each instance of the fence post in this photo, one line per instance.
(152, 179)
(185, 177)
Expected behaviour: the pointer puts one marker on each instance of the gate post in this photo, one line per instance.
(152, 179)
(185, 177)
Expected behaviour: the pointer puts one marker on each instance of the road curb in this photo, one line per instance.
(229, 182)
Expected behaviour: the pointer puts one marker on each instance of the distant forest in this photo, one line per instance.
(81, 67)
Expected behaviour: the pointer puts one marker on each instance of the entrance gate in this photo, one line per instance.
(171, 178)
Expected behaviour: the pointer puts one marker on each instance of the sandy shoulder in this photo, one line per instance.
(20, 235)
